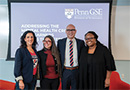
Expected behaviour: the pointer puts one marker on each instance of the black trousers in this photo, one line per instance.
(70, 79)
(49, 84)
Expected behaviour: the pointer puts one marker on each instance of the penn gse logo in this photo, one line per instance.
(69, 13)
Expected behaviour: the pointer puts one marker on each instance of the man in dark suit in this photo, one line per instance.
(69, 49)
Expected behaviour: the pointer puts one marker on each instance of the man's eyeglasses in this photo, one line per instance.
(89, 38)
(70, 29)
(44, 41)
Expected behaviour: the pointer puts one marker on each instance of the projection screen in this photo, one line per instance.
(51, 18)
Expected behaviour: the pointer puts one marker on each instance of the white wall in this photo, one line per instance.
(120, 32)
(4, 31)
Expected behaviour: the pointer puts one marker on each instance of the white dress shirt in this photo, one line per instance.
(67, 54)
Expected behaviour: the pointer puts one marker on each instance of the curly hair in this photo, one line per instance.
(23, 43)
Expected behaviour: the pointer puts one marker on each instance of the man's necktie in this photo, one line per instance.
(71, 52)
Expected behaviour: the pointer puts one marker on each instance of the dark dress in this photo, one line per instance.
(93, 67)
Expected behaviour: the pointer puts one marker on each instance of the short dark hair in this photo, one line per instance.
(23, 43)
(92, 32)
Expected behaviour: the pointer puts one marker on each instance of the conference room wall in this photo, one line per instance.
(120, 44)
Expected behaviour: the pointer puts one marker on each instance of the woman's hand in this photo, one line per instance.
(21, 84)
(107, 82)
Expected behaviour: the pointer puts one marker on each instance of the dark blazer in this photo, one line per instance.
(61, 45)
(43, 58)
(24, 64)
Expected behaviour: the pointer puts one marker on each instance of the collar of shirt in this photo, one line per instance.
(68, 40)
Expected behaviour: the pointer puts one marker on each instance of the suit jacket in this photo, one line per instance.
(43, 58)
(61, 45)
(24, 64)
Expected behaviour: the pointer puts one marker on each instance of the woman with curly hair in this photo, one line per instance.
(26, 62)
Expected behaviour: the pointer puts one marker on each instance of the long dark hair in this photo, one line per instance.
(23, 43)
(54, 52)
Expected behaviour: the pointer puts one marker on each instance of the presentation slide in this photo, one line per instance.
(52, 19)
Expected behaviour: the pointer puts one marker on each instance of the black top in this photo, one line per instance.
(89, 61)
(93, 67)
